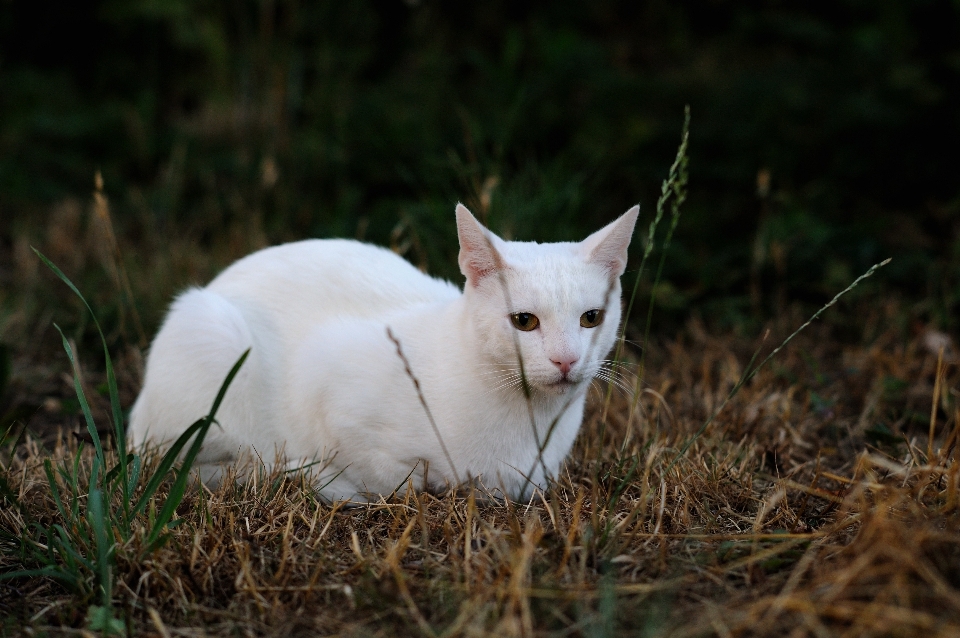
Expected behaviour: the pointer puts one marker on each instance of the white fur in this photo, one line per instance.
(324, 383)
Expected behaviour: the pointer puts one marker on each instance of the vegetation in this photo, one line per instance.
(819, 147)
(813, 494)
(788, 509)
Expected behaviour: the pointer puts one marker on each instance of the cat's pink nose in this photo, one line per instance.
(564, 364)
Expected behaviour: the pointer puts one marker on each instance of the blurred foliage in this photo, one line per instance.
(821, 143)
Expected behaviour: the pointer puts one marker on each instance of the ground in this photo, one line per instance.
(821, 499)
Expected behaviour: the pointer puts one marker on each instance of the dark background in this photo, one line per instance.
(288, 119)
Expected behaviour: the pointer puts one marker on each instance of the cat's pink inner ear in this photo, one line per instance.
(478, 253)
(608, 246)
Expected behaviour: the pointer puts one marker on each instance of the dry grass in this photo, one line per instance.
(822, 500)
(793, 514)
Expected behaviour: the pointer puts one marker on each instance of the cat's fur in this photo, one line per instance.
(324, 381)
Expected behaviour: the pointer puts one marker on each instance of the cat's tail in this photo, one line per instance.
(201, 338)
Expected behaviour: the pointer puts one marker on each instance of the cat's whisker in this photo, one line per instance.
(508, 386)
(627, 376)
(499, 387)
(500, 371)
(618, 370)
(596, 387)
(621, 362)
(625, 392)
(623, 376)
(628, 391)
(619, 374)
(613, 363)
(498, 374)
(493, 376)
(606, 374)
(507, 383)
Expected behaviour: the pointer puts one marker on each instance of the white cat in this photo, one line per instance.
(324, 384)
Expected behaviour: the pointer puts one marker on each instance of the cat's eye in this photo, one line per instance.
(524, 321)
(592, 318)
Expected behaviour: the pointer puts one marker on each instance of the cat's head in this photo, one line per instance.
(559, 304)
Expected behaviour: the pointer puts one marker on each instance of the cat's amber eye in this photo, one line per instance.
(524, 321)
(591, 318)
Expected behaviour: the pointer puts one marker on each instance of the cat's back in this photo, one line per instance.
(319, 278)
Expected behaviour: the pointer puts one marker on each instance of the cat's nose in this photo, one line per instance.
(564, 364)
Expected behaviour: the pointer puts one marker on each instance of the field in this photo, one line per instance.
(790, 515)
(715, 490)
(738, 478)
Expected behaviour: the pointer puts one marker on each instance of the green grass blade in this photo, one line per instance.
(78, 388)
(7, 431)
(118, 471)
(36, 543)
(116, 409)
(134, 476)
(7, 494)
(100, 524)
(180, 484)
(67, 548)
(48, 549)
(73, 481)
(55, 490)
(71, 477)
(179, 487)
(163, 468)
(120, 438)
(111, 379)
(171, 456)
(43, 572)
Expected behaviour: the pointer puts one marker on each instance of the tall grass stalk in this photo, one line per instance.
(673, 191)
(101, 207)
(750, 371)
(426, 408)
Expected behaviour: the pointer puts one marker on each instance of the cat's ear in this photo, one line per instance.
(608, 246)
(478, 248)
